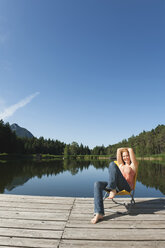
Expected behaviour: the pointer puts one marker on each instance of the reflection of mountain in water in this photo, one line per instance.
(15, 173)
(17, 181)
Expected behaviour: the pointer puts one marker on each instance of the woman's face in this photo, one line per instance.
(126, 157)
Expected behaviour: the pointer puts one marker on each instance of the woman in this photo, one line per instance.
(120, 178)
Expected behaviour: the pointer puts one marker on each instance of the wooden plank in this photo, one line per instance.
(114, 216)
(136, 206)
(127, 199)
(62, 216)
(52, 199)
(117, 224)
(34, 205)
(140, 205)
(41, 210)
(77, 207)
(112, 244)
(32, 224)
(13, 196)
(17, 232)
(114, 234)
(28, 242)
(8, 246)
(39, 199)
(123, 210)
(158, 205)
(133, 211)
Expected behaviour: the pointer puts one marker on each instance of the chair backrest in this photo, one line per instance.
(125, 192)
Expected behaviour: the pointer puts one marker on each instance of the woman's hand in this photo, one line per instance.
(130, 149)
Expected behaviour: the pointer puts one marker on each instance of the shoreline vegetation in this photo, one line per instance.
(4, 157)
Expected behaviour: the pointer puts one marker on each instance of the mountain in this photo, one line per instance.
(20, 131)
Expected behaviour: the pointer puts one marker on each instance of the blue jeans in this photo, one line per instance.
(116, 181)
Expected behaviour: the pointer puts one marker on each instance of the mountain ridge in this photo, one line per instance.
(21, 132)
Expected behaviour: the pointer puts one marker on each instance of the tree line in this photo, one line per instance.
(10, 143)
(146, 143)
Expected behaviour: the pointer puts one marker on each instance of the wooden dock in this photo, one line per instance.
(36, 221)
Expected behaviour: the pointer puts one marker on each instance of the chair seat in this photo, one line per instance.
(124, 192)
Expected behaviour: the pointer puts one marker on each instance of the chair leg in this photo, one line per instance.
(132, 203)
(118, 203)
(105, 196)
(128, 206)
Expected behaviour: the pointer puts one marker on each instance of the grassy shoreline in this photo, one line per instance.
(6, 157)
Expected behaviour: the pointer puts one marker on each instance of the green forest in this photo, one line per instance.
(146, 143)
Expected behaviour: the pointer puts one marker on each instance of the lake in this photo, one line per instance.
(73, 178)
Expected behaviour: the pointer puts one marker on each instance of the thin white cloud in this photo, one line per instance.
(12, 109)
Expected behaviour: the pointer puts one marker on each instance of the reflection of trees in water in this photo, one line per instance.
(75, 165)
(150, 174)
(14, 170)
(15, 173)
(100, 164)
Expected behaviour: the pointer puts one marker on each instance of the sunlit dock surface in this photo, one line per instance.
(37, 221)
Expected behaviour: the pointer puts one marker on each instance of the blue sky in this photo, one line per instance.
(90, 71)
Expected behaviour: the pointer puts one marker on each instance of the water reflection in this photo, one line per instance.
(152, 174)
(17, 173)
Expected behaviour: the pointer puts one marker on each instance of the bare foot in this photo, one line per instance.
(112, 194)
(96, 218)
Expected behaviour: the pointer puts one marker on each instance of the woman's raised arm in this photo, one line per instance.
(133, 158)
(119, 157)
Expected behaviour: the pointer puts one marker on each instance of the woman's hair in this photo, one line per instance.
(122, 151)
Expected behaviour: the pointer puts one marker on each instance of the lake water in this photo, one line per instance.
(73, 178)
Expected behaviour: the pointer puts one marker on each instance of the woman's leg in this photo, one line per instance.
(98, 201)
(116, 179)
(98, 197)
